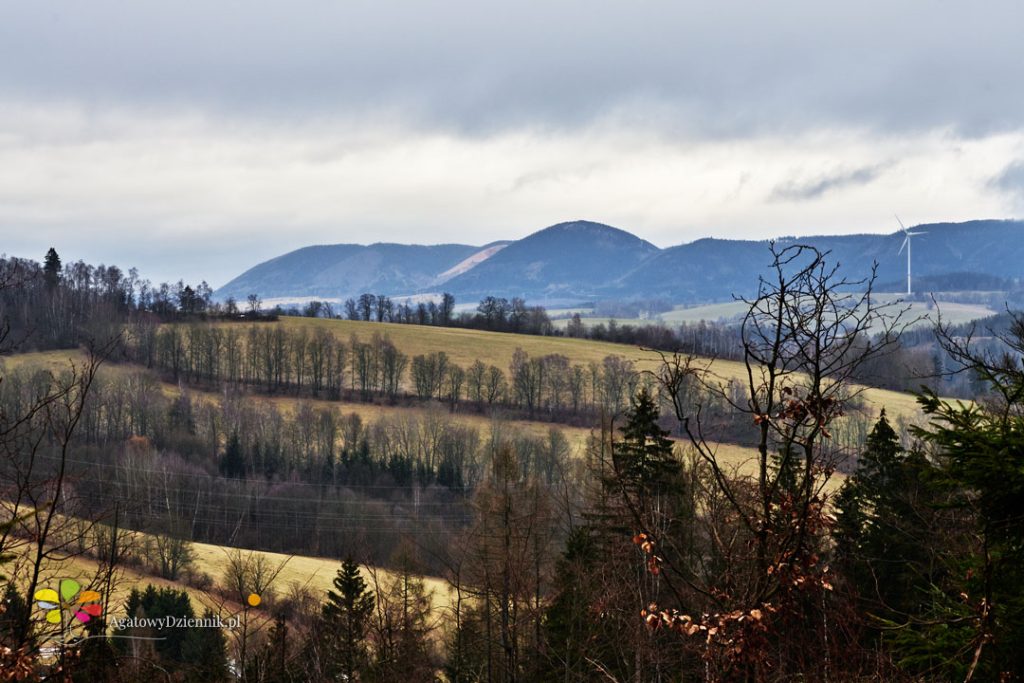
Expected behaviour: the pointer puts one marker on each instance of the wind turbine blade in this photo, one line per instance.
(905, 240)
(902, 227)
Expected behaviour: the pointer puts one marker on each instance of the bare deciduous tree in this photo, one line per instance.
(805, 335)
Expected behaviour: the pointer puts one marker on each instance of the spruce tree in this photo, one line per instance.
(345, 619)
(880, 542)
(643, 457)
(592, 626)
(51, 268)
(973, 624)
(277, 661)
(646, 477)
(205, 650)
(570, 632)
(96, 658)
(13, 612)
(232, 463)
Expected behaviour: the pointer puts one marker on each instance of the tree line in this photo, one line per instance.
(278, 360)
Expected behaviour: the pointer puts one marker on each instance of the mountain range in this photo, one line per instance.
(585, 261)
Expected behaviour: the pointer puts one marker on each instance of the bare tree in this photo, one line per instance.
(248, 580)
(35, 443)
(255, 303)
(804, 336)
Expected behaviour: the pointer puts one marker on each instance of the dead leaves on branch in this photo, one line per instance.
(646, 544)
(739, 636)
(817, 411)
(17, 665)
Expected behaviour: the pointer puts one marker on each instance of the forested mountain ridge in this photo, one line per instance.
(342, 270)
(562, 262)
(583, 260)
(984, 254)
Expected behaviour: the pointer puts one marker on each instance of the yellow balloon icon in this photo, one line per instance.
(254, 600)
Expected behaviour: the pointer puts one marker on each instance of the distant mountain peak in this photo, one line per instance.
(585, 227)
(562, 262)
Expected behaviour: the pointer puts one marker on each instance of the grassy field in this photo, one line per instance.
(920, 313)
(563, 323)
(312, 574)
(52, 361)
(465, 346)
(728, 310)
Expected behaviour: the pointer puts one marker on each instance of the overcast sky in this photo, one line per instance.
(195, 139)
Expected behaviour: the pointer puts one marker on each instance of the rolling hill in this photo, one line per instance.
(949, 257)
(586, 261)
(339, 271)
(563, 262)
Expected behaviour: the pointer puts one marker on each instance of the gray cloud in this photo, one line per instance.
(1010, 180)
(728, 68)
(803, 190)
(193, 139)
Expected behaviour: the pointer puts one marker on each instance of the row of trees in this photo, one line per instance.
(55, 305)
(492, 313)
(276, 359)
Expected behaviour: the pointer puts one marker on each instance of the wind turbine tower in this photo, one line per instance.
(906, 243)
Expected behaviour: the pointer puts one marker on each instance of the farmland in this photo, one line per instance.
(918, 313)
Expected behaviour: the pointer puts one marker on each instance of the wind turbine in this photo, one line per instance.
(906, 243)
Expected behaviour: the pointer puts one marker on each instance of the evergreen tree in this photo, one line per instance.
(13, 612)
(643, 460)
(345, 619)
(277, 667)
(96, 658)
(178, 649)
(51, 268)
(973, 626)
(232, 463)
(881, 541)
(570, 631)
(206, 652)
(603, 580)
(786, 466)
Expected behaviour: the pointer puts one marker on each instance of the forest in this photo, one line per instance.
(493, 508)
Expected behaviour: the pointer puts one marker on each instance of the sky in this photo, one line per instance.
(195, 139)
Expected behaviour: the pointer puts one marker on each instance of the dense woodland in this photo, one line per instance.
(639, 554)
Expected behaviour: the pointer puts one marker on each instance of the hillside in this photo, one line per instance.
(299, 572)
(477, 345)
(562, 262)
(949, 257)
(583, 260)
(339, 271)
(465, 346)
